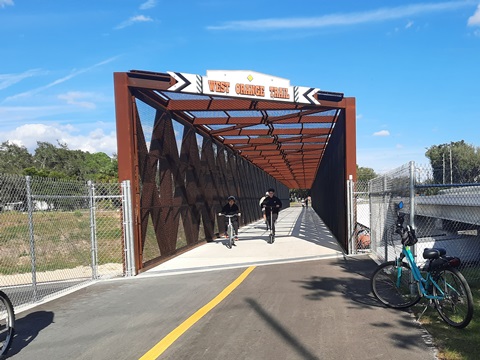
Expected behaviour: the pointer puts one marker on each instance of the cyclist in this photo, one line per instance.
(263, 210)
(231, 208)
(272, 206)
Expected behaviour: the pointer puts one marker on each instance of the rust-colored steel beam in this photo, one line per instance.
(254, 120)
(321, 119)
(208, 105)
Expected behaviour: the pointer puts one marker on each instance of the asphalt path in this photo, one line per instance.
(299, 298)
(318, 309)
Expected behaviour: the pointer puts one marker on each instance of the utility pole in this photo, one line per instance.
(451, 175)
(444, 168)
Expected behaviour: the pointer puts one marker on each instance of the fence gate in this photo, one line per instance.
(59, 235)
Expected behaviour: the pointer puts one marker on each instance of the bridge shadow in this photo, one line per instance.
(242, 238)
(27, 329)
(310, 227)
(222, 241)
(286, 335)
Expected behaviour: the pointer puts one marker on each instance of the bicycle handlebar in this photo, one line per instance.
(229, 216)
(407, 233)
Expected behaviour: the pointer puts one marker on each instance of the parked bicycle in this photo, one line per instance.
(230, 229)
(7, 321)
(399, 284)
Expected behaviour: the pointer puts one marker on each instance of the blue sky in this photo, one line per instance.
(413, 67)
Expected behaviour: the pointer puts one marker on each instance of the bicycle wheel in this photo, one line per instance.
(230, 236)
(456, 308)
(7, 320)
(394, 286)
(271, 238)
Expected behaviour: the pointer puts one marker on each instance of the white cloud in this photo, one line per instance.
(4, 3)
(148, 4)
(59, 81)
(27, 135)
(75, 98)
(382, 133)
(409, 25)
(474, 20)
(133, 20)
(382, 14)
(7, 80)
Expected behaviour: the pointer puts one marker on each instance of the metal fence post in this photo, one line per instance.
(412, 200)
(373, 231)
(128, 229)
(33, 258)
(385, 186)
(350, 212)
(93, 226)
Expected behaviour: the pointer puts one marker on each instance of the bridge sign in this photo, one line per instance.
(243, 84)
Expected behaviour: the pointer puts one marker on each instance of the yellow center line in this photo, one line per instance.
(168, 340)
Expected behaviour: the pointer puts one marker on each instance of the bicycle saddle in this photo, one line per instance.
(433, 253)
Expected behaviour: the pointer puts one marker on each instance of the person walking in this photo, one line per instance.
(272, 206)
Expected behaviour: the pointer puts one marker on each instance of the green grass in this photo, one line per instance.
(452, 343)
(62, 240)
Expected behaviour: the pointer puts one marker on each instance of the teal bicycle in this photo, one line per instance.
(401, 283)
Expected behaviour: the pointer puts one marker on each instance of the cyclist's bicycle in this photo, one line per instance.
(230, 229)
(7, 321)
(271, 235)
(399, 284)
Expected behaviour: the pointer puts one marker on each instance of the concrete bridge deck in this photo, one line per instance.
(300, 236)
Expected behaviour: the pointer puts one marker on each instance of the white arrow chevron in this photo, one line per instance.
(306, 95)
(186, 82)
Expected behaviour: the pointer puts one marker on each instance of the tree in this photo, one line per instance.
(101, 167)
(57, 162)
(61, 162)
(299, 193)
(365, 174)
(456, 162)
(14, 158)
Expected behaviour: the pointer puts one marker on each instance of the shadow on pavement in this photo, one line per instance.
(285, 334)
(310, 227)
(27, 328)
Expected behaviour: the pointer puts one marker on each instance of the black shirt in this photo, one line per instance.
(230, 210)
(272, 201)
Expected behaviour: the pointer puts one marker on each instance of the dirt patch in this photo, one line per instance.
(80, 272)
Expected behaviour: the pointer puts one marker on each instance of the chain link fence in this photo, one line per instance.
(57, 235)
(361, 228)
(444, 215)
